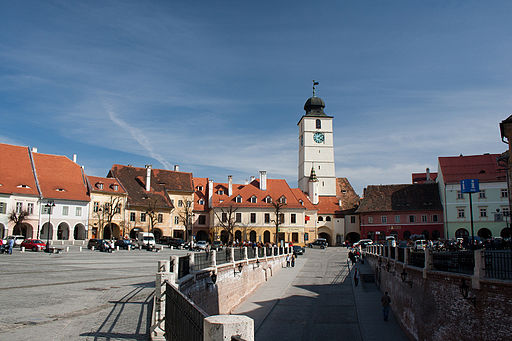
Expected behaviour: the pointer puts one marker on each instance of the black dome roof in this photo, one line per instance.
(314, 106)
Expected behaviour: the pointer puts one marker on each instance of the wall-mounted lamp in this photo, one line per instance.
(403, 275)
(240, 267)
(257, 264)
(464, 291)
(213, 278)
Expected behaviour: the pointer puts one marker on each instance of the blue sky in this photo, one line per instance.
(219, 86)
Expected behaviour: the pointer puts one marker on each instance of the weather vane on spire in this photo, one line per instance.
(314, 89)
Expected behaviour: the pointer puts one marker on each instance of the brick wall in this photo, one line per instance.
(434, 309)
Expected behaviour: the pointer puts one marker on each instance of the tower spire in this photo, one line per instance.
(314, 89)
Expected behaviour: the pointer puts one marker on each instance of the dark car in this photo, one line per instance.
(298, 250)
(94, 242)
(322, 244)
(217, 245)
(177, 243)
(124, 244)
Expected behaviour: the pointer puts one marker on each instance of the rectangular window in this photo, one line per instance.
(383, 219)
(352, 219)
(423, 218)
(78, 212)
(224, 217)
(506, 211)
(481, 194)
(253, 218)
(435, 218)
(370, 220)
(411, 219)
(143, 217)
(176, 220)
(30, 208)
(504, 193)
(238, 217)
(460, 212)
(202, 219)
(483, 212)
(460, 195)
(267, 218)
(293, 218)
(3, 207)
(46, 210)
(132, 216)
(180, 203)
(19, 207)
(96, 207)
(281, 218)
(65, 210)
(117, 209)
(160, 218)
(397, 219)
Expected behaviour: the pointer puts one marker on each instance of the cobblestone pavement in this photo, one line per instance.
(87, 295)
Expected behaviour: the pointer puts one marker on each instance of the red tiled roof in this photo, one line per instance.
(60, 178)
(328, 205)
(108, 185)
(420, 178)
(276, 188)
(305, 200)
(345, 192)
(200, 194)
(16, 171)
(482, 167)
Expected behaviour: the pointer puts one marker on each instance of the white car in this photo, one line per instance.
(18, 239)
(363, 243)
(420, 244)
(201, 245)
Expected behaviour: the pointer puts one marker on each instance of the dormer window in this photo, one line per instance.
(253, 199)
(60, 190)
(99, 185)
(268, 199)
(23, 186)
(115, 187)
(201, 202)
(282, 200)
(199, 188)
(301, 202)
(238, 199)
(220, 192)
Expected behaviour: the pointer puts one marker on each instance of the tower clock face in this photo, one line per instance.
(319, 137)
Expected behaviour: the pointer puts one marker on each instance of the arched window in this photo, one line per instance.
(238, 199)
(327, 218)
(320, 218)
(318, 124)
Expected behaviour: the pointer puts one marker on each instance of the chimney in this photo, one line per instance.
(263, 180)
(34, 149)
(176, 168)
(74, 158)
(252, 178)
(230, 185)
(148, 178)
(428, 175)
(210, 193)
(246, 182)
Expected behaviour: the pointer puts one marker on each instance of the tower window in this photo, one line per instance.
(318, 124)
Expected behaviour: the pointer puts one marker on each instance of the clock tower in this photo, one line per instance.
(316, 149)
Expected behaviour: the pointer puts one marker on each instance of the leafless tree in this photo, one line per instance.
(185, 215)
(18, 218)
(151, 212)
(227, 220)
(106, 213)
(278, 220)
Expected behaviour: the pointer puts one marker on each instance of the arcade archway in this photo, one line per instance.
(484, 233)
(79, 232)
(23, 229)
(224, 236)
(252, 236)
(266, 237)
(63, 231)
(46, 233)
(353, 237)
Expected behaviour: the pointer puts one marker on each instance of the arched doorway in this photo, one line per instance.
(46, 233)
(3, 233)
(266, 237)
(63, 231)
(158, 234)
(324, 232)
(224, 237)
(407, 235)
(505, 233)
(484, 233)
(111, 232)
(252, 236)
(134, 232)
(461, 233)
(79, 232)
(201, 235)
(238, 236)
(23, 229)
(353, 237)
(436, 235)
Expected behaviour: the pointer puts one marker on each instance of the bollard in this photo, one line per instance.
(92, 248)
(22, 249)
(164, 266)
(67, 248)
(80, 248)
(225, 327)
(117, 248)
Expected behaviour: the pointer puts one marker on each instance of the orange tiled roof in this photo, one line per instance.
(276, 188)
(305, 199)
(345, 192)
(484, 167)
(200, 194)
(16, 171)
(328, 205)
(60, 178)
(108, 185)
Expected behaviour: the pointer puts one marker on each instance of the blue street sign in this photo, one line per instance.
(469, 186)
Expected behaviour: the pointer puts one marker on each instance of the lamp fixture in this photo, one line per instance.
(213, 278)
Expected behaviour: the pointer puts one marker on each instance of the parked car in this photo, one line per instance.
(201, 245)
(18, 239)
(217, 245)
(420, 244)
(298, 250)
(124, 244)
(177, 243)
(33, 244)
(363, 243)
(106, 246)
(320, 243)
(164, 240)
(96, 242)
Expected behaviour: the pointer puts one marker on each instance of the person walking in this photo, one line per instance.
(386, 301)
(356, 277)
(11, 245)
(288, 260)
(293, 261)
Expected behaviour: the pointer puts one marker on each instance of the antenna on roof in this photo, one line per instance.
(314, 89)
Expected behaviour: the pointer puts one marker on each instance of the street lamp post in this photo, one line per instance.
(49, 205)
